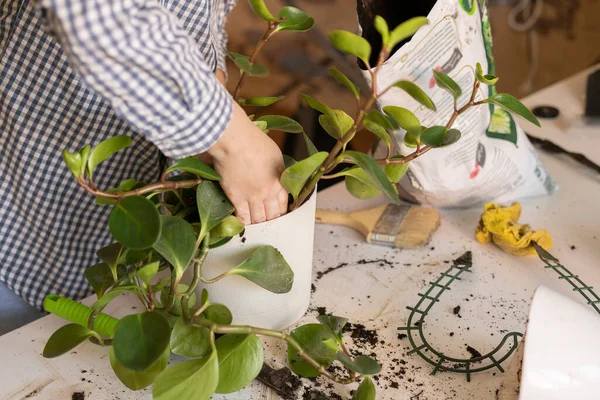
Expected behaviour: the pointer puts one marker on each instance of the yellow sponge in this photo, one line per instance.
(499, 224)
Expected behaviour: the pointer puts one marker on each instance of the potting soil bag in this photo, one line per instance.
(494, 160)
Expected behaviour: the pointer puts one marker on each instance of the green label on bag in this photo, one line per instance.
(502, 125)
(468, 5)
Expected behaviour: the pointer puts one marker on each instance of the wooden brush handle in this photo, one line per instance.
(339, 218)
(332, 217)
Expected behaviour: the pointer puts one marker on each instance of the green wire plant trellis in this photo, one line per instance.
(578, 286)
(493, 359)
(437, 359)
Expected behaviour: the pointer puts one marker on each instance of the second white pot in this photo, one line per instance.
(293, 236)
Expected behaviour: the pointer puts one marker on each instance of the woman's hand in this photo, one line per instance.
(250, 164)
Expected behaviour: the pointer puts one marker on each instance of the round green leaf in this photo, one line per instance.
(352, 44)
(140, 339)
(318, 342)
(452, 136)
(75, 161)
(448, 84)
(360, 190)
(204, 297)
(188, 380)
(288, 161)
(395, 172)
(281, 123)
(257, 70)
(485, 79)
(240, 361)
(293, 19)
(295, 177)
(344, 80)
(268, 269)
(514, 106)
(112, 254)
(375, 173)
(196, 167)
(65, 339)
(127, 184)
(147, 272)
(434, 136)
(176, 310)
(378, 131)
(229, 227)
(106, 149)
(219, 314)
(260, 8)
(405, 30)
(189, 341)
(244, 64)
(334, 324)
(385, 121)
(100, 277)
(317, 105)
(135, 256)
(177, 242)
(213, 206)
(413, 138)
(103, 301)
(340, 126)
(260, 101)
(416, 93)
(406, 119)
(138, 380)
(135, 222)
(383, 29)
(362, 364)
(218, 243)
(365, 391)
(310, 147)
(262, 125)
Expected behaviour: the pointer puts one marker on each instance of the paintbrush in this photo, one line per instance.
(401, 226)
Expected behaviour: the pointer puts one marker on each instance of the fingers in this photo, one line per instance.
(257, 211)
(272, 209)
(242, 211)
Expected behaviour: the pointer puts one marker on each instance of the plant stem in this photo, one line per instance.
(422, 150)
(268, 33)
(155, 187)
(171, 299)
(247, 330)
(201, 310)
(331, 162)
(215, 279)
(185, 309)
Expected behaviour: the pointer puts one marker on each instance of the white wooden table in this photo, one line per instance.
(494, 298)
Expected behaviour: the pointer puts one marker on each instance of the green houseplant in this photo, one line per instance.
(165, 228)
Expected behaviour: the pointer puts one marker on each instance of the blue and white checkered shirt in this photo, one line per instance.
(76, 72)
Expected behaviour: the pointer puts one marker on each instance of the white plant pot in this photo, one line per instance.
(562, 350)
(293, 236)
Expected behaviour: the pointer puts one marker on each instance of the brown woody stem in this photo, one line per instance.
(155, 187)
(268, 33)
(422, 150)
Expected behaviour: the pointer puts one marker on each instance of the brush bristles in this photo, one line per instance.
(418, 226)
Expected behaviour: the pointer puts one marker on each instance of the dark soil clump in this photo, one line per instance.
(361, 335)
(78, 396)
(474, 353)
(282, 380)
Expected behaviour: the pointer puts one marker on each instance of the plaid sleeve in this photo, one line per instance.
(136, 55)
(225, 8)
